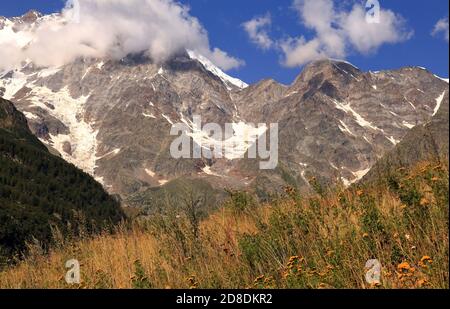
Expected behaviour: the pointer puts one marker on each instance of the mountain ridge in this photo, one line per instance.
(113, 118)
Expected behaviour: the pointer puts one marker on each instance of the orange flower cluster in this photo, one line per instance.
(405, 268)
(425, 261)
(193, 284)
(263, 282)
(294, 266)
(412, 277)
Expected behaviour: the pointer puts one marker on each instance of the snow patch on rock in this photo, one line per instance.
(149, 115)
(358, 118)
(13, 84)
(150, 172)
(226, 79)
(408, 125)
(443, 79)
(70, 111)
(439, 102)
(207, 170)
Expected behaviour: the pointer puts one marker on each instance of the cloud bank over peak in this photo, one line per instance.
(337, 32)
(111, 29)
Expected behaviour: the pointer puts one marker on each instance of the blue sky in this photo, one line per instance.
(223, 20)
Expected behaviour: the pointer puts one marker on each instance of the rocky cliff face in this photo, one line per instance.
(336, 120)
(113, 118)
(425, 142)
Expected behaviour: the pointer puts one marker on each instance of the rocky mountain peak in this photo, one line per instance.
(30, 16)
(327, 69)
(267, 83)
(26, 19)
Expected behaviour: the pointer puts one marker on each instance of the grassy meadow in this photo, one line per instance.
(321, 240)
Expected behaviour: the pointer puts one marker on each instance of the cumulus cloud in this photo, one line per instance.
(317, 15)
(441, 28)
(368, 37)
(338, 32)
(113, 29)
(257, 30)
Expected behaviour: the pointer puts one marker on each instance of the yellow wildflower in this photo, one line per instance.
(404, 266)
(425, 260)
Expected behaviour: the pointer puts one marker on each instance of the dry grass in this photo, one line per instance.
(295, 242)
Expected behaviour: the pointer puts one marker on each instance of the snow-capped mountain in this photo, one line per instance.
(112, 118)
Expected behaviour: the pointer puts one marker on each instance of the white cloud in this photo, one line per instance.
(368, 37)
(115, 28)
(338, 32)
(441, 27)
(299, 51)
(256, 29)
(222, 59)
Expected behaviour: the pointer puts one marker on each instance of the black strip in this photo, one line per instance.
(81, 299)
